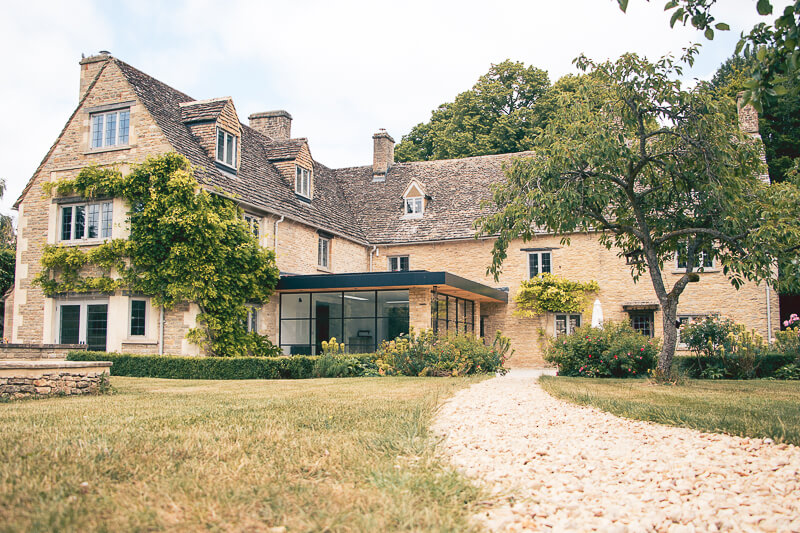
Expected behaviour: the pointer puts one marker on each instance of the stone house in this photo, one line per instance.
(364, 252)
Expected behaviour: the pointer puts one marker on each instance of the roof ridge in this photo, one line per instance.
(206, 101)
(128, 65)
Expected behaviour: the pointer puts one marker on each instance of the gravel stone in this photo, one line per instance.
(552, 465)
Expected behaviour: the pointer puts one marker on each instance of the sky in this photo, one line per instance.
(342, 69)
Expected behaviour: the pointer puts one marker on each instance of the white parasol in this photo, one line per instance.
(597, 314)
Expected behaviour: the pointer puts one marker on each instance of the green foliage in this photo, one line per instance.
(789, 372)
(185, 244)
(179, 367)
(615, 350)
(776, 46)
(500, 114)
(430, 354)
(548, 292)
(703, 367)
(787, 341)
(655, 169)
(723, 348)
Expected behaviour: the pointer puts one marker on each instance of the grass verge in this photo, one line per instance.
(753, 408)
(339, 455)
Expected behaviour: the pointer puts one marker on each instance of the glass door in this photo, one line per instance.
(96, 327)
(83, 323)
(70, 318)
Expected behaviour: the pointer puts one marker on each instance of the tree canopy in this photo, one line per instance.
(659, 171)
(776, 46)
(500, 114)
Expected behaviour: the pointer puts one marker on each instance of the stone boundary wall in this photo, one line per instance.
(20, 379)
(29, 352)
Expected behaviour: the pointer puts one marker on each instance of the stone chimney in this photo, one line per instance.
(274, 124)
(383, 155)
(748, 116)
(90, 66)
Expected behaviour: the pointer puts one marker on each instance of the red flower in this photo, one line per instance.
(641, 349)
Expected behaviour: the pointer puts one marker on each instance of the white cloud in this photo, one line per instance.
(343, 69)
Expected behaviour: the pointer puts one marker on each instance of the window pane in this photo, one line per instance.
(404, 263)
(546, 262)
(70, 324)
(327, 304)
(295, 306)
(561, 325)
(80, 221)
(66, 223)
(393, 304)
(107, 220)
(324, 329)
(97, 131)
(295, 332)
(124, 126)
(322, 252)
(137, 317)
(253, 323)
(574, 322)
(390, 328)
(359, 304)
(533, 264)
(230, 150)
(93, 227)
(220, 145)
(359, 334)
(111, 129)
(96, 327)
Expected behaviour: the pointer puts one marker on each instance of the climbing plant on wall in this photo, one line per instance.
(186, 244)
(551, 293)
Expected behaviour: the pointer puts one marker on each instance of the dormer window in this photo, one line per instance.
(111, 128)
(226, 148)
(414, 200)
(302, 182)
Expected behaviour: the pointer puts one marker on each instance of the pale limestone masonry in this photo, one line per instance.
(276, 125)
(360, 209)
(19, 379)
(28, 352)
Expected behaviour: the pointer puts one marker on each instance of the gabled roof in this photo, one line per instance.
(456, 188)
(257, 181)
(285, 149)
(203, 110)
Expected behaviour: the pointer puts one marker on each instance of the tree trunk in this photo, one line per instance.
(669, 313)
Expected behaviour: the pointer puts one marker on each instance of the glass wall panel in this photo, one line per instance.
(327, 302)
(359, 304)
(359, 334)
(295, 331)
(295, 306)
(324, 329)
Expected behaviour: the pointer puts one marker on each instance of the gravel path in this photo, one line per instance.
(555, 466)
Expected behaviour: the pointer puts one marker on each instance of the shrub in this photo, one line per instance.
(430, 354)
(615, 350)
(178, 367)
(551, 293)
(790, 371)
(709, 367)
(724, 349)
(788, 341)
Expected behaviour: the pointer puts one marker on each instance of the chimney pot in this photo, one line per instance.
(276, 125)
(383, 154)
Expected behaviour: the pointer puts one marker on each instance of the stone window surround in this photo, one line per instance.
(73, 202)
(89, 111)
(147, 311)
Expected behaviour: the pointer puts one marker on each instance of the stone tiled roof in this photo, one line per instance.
(257, 181)
(282, 150)
(455, 189)
(199, 111)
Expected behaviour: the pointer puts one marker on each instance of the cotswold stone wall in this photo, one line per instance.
(37, 351)
(19, 379)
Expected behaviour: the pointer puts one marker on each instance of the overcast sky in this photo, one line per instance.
(342, 69)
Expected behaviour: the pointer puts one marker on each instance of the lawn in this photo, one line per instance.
(753, 408)
(310, 455)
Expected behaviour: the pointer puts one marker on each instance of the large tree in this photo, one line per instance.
(777, 46)
(657, 170)
(498, 115)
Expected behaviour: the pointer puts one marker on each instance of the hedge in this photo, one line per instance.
(178, 367)
(767, 366)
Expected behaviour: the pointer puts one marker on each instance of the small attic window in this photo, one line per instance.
(226, 148)
(414, 201)
(302, 182)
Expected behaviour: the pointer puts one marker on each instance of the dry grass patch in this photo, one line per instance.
(344, 455)
(753, 408)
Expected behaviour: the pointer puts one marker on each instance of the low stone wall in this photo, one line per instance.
(35, 352)
(19, 379)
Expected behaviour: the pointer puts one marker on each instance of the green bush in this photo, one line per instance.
(178, 367)
(790, 371)
(430, 354)
(724, 349)
(615, 350)
(710, 368)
